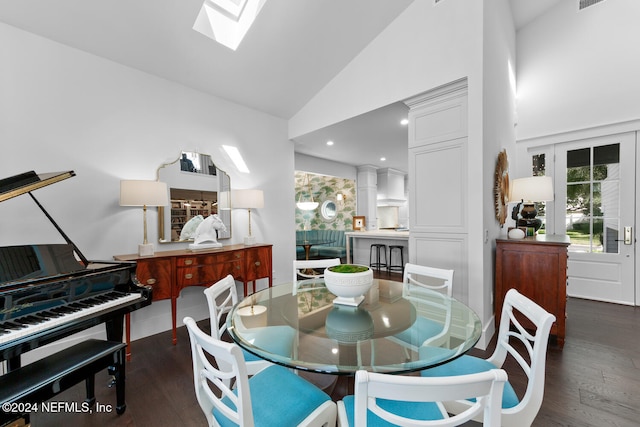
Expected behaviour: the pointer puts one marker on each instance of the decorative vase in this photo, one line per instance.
(348, 282)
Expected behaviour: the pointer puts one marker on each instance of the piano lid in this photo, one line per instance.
(26, 182)
(30, 262)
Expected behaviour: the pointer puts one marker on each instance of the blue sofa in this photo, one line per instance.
(337, 248)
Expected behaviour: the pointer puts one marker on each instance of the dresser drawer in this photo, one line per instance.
(157, 274)
(258, 262)
(207, 274)
(208, 259)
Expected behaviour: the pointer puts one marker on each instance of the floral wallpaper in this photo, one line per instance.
(324, 188)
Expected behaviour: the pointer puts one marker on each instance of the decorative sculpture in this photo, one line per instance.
(189, 229)
(206, 235)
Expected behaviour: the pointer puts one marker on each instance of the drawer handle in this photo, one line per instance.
(257, 263)
(151, 281)
(237, 267)
(188, 261)
(188, 276)
(237, 255)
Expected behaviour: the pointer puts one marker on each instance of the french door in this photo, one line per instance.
(595, 206)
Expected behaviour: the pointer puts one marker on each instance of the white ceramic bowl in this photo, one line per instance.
(348, 285)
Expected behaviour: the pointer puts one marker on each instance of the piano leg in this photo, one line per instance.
(127, 321)
(119, 374)
(115, 328)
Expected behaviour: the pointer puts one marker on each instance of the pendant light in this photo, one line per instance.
(306, 205)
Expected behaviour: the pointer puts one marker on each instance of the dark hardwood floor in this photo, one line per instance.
(594, 381)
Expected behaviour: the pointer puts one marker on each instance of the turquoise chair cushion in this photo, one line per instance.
(421, 330)
(469, 365)
(279, 398)
(414, 410)
(250, 357)
(274, 339)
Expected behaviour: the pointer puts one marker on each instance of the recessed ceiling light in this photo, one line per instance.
(382, 159)
(404, 122)
(329, 142)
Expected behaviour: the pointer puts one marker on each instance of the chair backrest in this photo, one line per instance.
(221, 297)
(486, 387)
(420, 276)
(205, 374)
(299, 267)
(527, 347)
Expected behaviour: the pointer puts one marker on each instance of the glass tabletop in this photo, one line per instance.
(394, 330)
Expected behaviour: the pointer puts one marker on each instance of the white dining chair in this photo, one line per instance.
(527, 348)
(435, 286)
(385, 399)
(222, 296)
(273, 397)
(301, 268)
(418, 277)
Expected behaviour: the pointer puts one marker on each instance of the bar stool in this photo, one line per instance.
(379, 249)
(396, 267)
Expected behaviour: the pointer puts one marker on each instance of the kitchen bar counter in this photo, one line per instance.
(362, 241)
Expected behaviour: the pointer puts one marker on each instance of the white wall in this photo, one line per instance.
(425, 47)
(324, 167)
(499, 65)
(578, 70)
(428, 46)
(63, 109)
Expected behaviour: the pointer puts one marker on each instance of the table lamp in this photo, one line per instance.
(529, 191)
(247, 199)
(143, 193)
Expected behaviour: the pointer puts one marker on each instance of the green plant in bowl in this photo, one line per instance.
(348, 268)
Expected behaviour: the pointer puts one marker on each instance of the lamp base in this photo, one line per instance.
(145, 249)
(249, 240)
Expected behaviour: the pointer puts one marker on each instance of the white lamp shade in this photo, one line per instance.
(247, 199)
(143, 193)
(532, 189)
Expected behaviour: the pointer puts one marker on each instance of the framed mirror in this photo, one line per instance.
(328, 210)
(196, 187)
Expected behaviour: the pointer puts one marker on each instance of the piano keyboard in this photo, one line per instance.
(32, 323)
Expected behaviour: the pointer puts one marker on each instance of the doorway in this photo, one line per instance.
(595, 206)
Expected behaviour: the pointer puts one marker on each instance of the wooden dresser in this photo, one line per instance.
(537, 268)
(169, 272)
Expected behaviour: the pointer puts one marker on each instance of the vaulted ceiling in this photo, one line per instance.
(293, 49)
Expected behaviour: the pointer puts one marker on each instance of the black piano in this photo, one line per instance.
(51, 291)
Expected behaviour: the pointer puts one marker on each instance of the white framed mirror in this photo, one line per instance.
(196, 187)
(328, 210)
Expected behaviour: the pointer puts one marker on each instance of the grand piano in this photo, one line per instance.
(51, 291)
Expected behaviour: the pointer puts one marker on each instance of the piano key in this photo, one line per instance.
(18, 330)
(12, 325)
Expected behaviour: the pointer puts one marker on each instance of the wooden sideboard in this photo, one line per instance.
(168, 272)
(537, 268)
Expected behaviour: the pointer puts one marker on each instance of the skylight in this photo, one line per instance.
(227, 21)
(236, 158)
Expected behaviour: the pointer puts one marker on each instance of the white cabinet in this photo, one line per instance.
(438, 182)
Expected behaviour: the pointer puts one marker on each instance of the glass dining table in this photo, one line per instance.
(394, 330)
